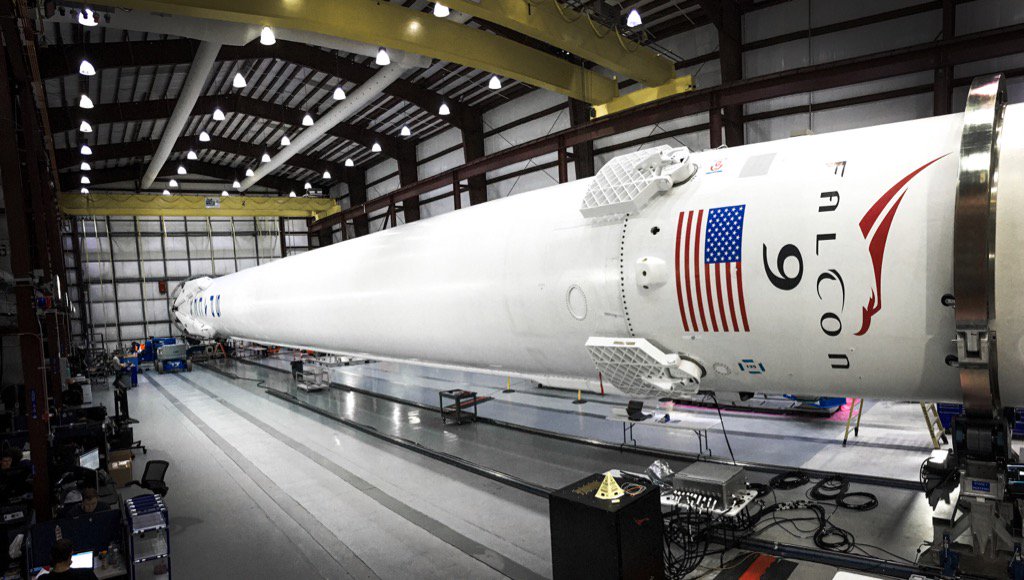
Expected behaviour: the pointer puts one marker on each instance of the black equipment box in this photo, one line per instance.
(597, 538)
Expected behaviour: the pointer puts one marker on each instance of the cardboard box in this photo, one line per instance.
(119, 466)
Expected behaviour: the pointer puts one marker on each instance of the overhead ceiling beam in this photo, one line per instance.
(203, 63)
(69, 181)
(57, 61)
(69, 158)
(575, 32)
(394, 26)
(358, 99)
(66, 119)
(109, 204)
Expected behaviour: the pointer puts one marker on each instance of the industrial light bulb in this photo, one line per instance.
(181, 170)
(218, 115)
(307, 120)
(440, 10)
(495, 83)
(307, 186)
(349, 162)
(85, 102)
(86, 69)
(285, 141)
(85, 180)
(339, 94)
(85, 127)
(633, 20)
(87, 18)
(84, 190)
(86, 150)
(376, 147)
(444, 110)
(267, 36)
(166, 192)
(249, 172)
(235, 184)
(382, 57)
(265, 158)
(327, 174)
(291, 194)
(85, 166)
(173, 183)
(239, 81)
(224, 193)
(406, 131)
(204, 137)
(191, 155)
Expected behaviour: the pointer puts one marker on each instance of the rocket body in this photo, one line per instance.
(813, 265)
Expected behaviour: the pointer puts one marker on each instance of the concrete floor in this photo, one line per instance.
(250, 471)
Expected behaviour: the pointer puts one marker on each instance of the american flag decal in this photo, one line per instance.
(709, 277)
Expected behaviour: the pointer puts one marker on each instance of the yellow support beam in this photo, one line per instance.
(116, 204)
(392, 25)
(678, 85)
(551, 22)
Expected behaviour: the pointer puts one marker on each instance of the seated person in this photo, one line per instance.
(61, 568)
(90, 504)
(13, 477)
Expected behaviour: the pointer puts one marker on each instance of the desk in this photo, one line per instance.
(699, 425)
(103, 573)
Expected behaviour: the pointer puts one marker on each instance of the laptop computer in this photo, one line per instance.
(82, 560)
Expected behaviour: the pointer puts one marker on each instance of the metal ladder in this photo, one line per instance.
(857, 404)
(935, 429)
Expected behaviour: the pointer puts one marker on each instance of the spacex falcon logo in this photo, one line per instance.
(875, 227)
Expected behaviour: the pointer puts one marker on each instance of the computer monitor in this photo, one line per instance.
(90, 459)
(82, 560)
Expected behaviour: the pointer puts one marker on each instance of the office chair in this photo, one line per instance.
(153, 477)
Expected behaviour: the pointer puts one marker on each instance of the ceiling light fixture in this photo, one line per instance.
(267, 36)
(86, 150)
(376, 147)
(204, 136)
(166, 192)
(85, 127)
(339, 94)
(235, 184)
(307, 120)
(327, 174)
(633, 20)
(218, 115)
(349, 162)
(85, 180)
(85, 102)
(173, 183)
(291, 194)
(495, 83)
(191, 155)
(224, 193)
(307, 186)
(440, 10)
(265, 158)
(249, 172)
(406, 131)
(87, 18)
(444, 110)
(86, 69)
(181, 170)
(85, 166)
(285, 141)
(239, 81)
(382, 57)
(84, 190)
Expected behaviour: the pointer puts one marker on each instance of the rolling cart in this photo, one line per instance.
(149, 537)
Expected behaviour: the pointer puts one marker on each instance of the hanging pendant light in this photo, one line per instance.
(86, 150)
(85, 127)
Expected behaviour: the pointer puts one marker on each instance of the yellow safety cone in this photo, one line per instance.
(609, 488)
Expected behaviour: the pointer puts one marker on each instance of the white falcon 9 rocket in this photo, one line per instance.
(820, 264)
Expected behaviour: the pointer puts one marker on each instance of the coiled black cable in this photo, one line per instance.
(832, 488)
(868, 501)
(789, 480)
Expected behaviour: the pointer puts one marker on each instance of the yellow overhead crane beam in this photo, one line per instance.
(392, 25)
(117, 204)
(551, 22)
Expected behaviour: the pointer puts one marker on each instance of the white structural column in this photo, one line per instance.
(356, 100)
(202, 64)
